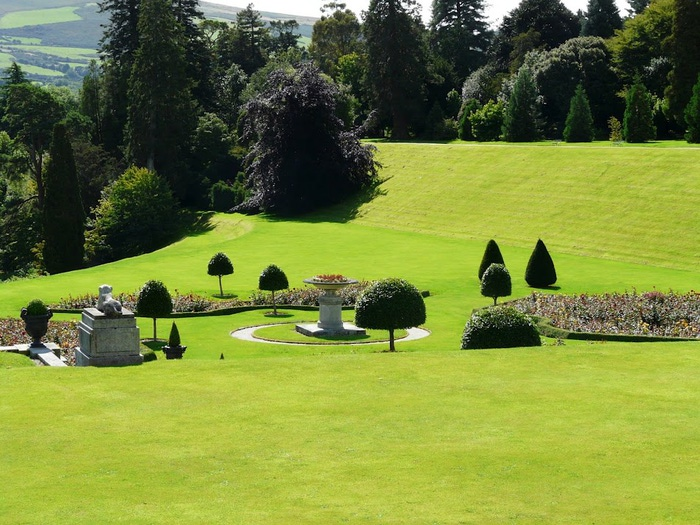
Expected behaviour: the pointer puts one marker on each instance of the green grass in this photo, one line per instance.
(580, 433)
(32, 17)
(75, 54)
(286, 332)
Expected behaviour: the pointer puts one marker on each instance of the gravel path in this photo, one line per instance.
(248, 334)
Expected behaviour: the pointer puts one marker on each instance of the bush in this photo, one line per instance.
(579, 121)
(464, 129)
(137, 214)
(37, 307)
(501, 327)
(540, 271)
(487, 122)
(492, 254)
(390, 304)
(496, 282)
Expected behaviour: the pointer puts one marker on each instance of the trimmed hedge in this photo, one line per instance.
(499, 327)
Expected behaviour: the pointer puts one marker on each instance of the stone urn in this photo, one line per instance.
(330, 308)
(36, 321)
(174, 350)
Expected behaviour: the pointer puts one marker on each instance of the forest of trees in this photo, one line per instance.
(182, 112)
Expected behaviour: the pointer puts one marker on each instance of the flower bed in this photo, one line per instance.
(63, 333)
(649, 314)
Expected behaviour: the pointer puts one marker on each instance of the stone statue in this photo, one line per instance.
(107, 304)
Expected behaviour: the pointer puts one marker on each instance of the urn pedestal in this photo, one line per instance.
(330, 311)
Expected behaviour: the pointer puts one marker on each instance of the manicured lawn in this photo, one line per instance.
(580, 433)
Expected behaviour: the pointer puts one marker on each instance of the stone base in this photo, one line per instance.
(313, 330)
(82, 359)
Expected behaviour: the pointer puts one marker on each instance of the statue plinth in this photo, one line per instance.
(107, 340)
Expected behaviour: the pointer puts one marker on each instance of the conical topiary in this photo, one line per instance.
(540, 271)
(492, 255)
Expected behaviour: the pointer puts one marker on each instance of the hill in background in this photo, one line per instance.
(54, 40)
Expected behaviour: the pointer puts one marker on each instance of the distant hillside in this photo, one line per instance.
(54, 40)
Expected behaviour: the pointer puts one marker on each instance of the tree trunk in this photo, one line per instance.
(154, 329)
(274, 305)
(392, 348)
(494, 300)
(221, 289)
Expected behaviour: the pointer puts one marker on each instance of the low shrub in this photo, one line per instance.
(499, 327)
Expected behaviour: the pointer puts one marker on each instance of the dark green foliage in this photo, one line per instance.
(335, 35)
(390, 304)
(638, 5)
(685, 56)
(244, 43)
(272, 279)
(692, 115)
(487, 122)
(223, 196)
(492, 254)
(174, 337)
(602, 19)
(137, 214)
(220, 265)
(638, 123)
(301, 159)
(148, 354)
(464, 128)
(161, 113)
(521, 115)
(96, 169)
(579, 121)
(396, 61)
(20, 232)
(540, 271)
(460, 34)
(496, 282)
(437, 127)
(63, 217)
(154, 301)
(501, 327)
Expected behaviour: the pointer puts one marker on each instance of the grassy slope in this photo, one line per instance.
(582, 433)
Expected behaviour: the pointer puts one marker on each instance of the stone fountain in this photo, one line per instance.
(330, 306)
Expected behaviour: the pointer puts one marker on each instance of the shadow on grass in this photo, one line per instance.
(225, 296)
(194, 223)
(278, 315)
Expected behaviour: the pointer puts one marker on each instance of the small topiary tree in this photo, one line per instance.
(579, 121)
(540, 271)
(496, 282)
(154, 301)
(501, 327)
(220, 265)
(390, 304)
(492, 254)
(272, 279)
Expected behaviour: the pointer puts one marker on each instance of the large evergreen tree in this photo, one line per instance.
(685, 43)
(520, 122)
(397, 60)
(161, 113)
(63, 216)
(692, 115)
(638, 123)
(244, 42)
(460, 34)
(602, 19)
(579, 121)
(301, 158)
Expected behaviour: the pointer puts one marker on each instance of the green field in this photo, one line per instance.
(38, 17)
(579, 433)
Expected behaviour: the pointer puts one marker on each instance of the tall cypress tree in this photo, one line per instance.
(602, 19)
(63, 216)
(460, 34)
(396, 58)
(492, 255)
(579, 121)
(692, 115)
(161, 113)
(540, 271)
(638, 123)
(685, 43)
(520, 120)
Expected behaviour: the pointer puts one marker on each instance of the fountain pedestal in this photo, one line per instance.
(330, 307)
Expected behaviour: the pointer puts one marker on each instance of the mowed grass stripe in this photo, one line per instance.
(32, 17)
(633, 204)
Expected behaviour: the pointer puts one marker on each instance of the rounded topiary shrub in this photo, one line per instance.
(499, 327)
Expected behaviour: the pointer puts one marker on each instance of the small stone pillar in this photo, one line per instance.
(108, 340)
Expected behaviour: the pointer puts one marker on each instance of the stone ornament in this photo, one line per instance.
(106, 303)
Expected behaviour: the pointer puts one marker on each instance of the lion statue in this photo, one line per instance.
(106, 303)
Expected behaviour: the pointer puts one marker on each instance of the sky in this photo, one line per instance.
(495, 9)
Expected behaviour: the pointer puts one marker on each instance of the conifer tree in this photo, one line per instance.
(397, 60)
(161, 113)
(602, 19)
(540, 271)
(63, 216)
(685, 56)
(520, 119)
(638, 122)
(692, 116)
(579, 121)
(492, 254)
